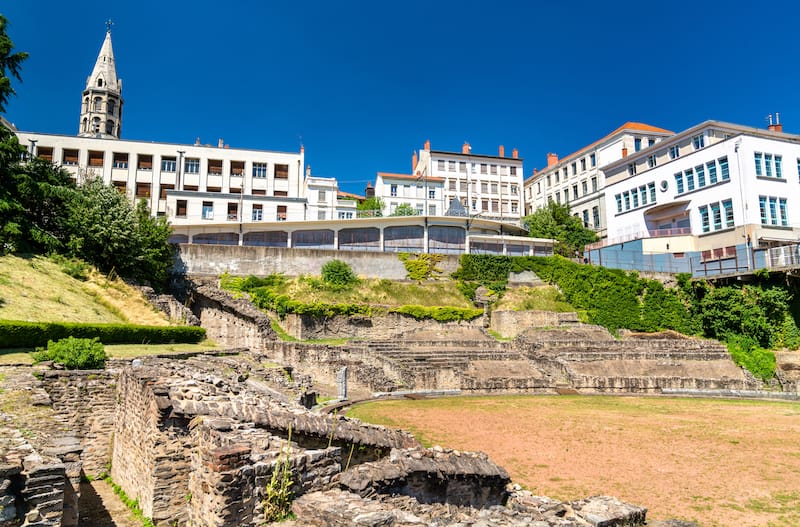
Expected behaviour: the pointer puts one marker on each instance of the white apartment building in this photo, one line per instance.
(487, 186)
(426, 196)
(710, 189)
(578, 180)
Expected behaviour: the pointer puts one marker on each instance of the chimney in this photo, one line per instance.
(777, 127)
(220, 143)
(465, 148)
(515, 153)
(414, 160)
(308, 170)
(624, 151)
(501, 152)
(428, 145)
(369, 192)
(197, 141)
(302, 149)
(535, 171)
(552, 159)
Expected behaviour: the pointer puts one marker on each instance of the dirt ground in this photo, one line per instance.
(720, 463)
(100, 507)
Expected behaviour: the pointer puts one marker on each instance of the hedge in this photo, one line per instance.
(18, 334)
(439, 313)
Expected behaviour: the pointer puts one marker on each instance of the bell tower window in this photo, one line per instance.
(99, 83)
(97, 104)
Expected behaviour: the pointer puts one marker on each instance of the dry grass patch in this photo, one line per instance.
(540, 298)
(34, 289)
(719, 462)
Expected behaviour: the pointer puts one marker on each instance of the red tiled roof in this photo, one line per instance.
(343, 194)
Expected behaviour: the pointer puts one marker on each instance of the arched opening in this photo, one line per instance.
(85, 107)
(98, 103)
(85, 127)
(96, 125)
(111, 106)
(110, 127)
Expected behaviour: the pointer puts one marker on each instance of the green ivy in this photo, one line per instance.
(439, 313)
(421, 266)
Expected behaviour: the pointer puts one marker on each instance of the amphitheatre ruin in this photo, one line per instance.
(197, 438)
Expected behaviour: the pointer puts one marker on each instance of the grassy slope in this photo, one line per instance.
(36, 290)
(541, 298)
(380, 292)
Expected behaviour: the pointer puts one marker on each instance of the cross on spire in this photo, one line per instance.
(109, 23)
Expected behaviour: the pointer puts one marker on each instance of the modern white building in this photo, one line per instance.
(487, 186)
(577, 179)
(719, 190)
(424, 196)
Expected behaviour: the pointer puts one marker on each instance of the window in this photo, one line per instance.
(493, 169)
(549, 182)
(191, 165)
(393, 189)
(566, 195)
(431, 210)
(698, 141)
(208, 210)
(237, 168)
(474, 168)
(95, 159)
(593, 160)
(618, 197)
(484, 187)
(643, 194)
(163, 191)
(431, 193)
(704, 218)
(575, 191)
(717, 216)
(514, 190)
(626, 197)
(768, 165)
(798, 168)
(322, 195)
(462, 167)
(494, 188)
(701, 175)
(651, 142)
(513, 171)
(180, 208)
(281, 171)
(97, 104)
(784, 216)
(462, 186)
(440, 165)
(280, 193)
(451, 166)
(594, 184)
(258, 212)
(762, 205)
(281, 213)
(778, 166)
(584, 187)
(723, 169)
(679, 182)
(120, 160)
(514, 207)
(585, 217)
(631, 169)
(759, 157)
(596, 217)
(233, 211)
(320, 214)
(689, 173)
(574, 168)
(70, 157)
(213, 189)
(215, 167)
(674, 152)
(259, 170)
(168, 164)
(635, 198)
(727, 207)
(345, 215)
(558, 175)
(651, 161)
(637, 144)
(773, 210)
(484, 168)
(111, 106)
(144, 162)
(712, 172)
(583, 169)
(142, 190)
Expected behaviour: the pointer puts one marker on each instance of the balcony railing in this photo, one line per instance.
(233, 217)
(653, 233)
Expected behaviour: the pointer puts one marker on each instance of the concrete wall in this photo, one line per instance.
(197, 259)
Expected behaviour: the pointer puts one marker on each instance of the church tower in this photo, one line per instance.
(101, 108)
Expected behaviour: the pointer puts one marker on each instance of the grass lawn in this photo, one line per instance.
(721, 463)
(540, 298)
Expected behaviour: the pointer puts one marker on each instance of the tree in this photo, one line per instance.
(404, 209)
(10, 64)
(371, 208)
(555, 221)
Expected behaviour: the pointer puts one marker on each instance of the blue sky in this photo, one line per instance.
(362, 84)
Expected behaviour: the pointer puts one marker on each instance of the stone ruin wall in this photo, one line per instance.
(387, 326)
(230, 322)
(511, 323)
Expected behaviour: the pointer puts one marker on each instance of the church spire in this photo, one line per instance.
(101, 108)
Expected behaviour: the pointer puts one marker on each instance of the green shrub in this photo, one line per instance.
(74, 267)
(421, 266)
(439, 313)
(74, 354)
(19, 334)
(339, 273)
(748, 354)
